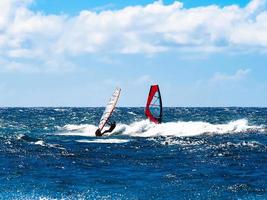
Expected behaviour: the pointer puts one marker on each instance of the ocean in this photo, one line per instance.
(196, 153)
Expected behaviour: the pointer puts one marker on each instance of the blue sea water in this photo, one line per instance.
(196, 153)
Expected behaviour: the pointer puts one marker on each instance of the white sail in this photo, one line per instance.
(109, 108)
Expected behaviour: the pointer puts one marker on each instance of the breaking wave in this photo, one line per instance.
(179, 129)
(37, 141)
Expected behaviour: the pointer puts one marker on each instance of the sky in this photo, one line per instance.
(75, 53)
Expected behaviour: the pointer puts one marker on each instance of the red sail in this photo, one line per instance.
(154, 105)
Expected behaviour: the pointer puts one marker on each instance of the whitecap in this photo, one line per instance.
(131, 113)
(105, 141)
(40, 142)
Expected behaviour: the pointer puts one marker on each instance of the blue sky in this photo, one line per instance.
(74, 7)
(201, 53)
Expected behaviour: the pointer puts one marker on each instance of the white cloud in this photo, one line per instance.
(255, 5)
(143, 80)
(221, 77)
(149, 29)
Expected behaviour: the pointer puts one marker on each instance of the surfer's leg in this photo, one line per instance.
(112, 128)
(98, 133)
(106, 131)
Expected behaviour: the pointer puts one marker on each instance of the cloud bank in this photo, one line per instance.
(34, 41)
(239, 74)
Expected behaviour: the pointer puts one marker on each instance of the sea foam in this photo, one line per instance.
(180, 128)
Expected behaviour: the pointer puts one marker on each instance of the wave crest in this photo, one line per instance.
(180, 128)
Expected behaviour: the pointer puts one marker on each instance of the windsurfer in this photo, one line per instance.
(111, 128)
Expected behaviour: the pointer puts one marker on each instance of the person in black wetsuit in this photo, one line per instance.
(111, 128)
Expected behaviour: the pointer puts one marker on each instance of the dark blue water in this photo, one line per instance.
(197, 153)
